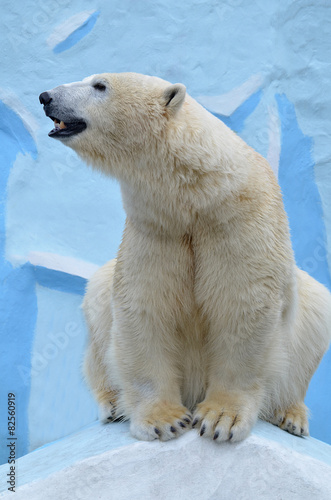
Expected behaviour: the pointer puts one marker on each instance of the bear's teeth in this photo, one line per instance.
(59, 124)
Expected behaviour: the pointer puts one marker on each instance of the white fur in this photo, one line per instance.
(204, 309)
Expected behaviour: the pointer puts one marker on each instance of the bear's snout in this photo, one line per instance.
(45, 98)
(66, 122)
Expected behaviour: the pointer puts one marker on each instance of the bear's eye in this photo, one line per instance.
(99, 86)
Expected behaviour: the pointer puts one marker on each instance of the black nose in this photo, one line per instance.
(45, 98)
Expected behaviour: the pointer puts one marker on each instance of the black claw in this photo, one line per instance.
(113, 409)
(203, 430)
(189, 416)
(302, 430)
(216, 435)
(157, 431)
(187, 420)
(195, 421)
(182, 425)
(110, 419)
(230, 436)
(172, 429)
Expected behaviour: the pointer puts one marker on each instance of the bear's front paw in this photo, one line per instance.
(162, 421)
(227, 420)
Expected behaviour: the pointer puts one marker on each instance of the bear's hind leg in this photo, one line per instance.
(97, 310)
(293, 419)
(108, 409)
(96, 377)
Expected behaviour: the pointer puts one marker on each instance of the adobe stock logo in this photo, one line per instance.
(57, 342)
(40, 22)
(310, 264)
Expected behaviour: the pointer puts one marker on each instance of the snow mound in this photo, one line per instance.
(188, 468)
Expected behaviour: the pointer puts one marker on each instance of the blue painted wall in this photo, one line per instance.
(262, 67)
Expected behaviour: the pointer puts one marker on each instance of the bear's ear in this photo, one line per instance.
(174, 96)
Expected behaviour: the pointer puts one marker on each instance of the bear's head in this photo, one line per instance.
(112, 119)
(167, 151)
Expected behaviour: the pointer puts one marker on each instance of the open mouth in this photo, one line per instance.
(66, 129)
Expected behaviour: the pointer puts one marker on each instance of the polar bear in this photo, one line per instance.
(203, 320)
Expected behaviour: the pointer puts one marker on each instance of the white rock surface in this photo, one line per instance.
(191, 468)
